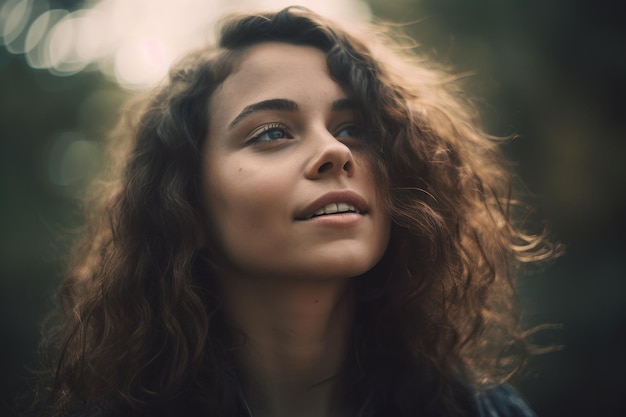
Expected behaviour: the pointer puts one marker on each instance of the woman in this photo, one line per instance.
(307, 222)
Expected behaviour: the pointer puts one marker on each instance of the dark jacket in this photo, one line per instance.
(502, 401)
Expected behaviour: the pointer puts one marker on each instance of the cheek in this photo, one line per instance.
(245, 207)
(227, 199)
(242, 191)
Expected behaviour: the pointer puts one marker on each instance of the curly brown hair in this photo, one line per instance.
(137, 323)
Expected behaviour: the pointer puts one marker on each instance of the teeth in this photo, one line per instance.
(343, 207)
(335, 208)
(331, 208)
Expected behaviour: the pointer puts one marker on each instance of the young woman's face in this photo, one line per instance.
(288, 188)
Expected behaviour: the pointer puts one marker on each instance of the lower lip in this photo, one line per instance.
(336, 220)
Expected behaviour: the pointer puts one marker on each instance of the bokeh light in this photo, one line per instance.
(133, 42)
(72, 159)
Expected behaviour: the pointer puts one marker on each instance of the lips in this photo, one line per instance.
(335, 202)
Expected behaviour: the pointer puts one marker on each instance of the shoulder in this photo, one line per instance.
(102, 409)
(502, 401)
(183, 406)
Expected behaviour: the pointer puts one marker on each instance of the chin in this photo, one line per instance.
(343, 265)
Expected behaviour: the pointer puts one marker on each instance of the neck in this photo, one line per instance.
(297, 335)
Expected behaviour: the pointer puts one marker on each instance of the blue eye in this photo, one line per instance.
(269, 133)
(352, 131)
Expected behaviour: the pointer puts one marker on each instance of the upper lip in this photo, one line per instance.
(344, 196)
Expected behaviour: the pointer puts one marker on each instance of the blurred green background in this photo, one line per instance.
(552, 71)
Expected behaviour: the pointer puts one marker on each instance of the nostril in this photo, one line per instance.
(325, 167)
(347, 166)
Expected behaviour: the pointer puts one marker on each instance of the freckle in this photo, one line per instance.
(317, 301)
(240, 169)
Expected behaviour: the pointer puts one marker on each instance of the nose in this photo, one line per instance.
(331, 157)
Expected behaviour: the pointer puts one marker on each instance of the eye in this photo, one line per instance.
(269, 133)
(351, 130)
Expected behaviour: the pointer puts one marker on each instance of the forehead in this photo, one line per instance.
(275, 61)
(274, 70)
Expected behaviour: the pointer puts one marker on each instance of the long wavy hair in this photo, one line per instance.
(141, 322)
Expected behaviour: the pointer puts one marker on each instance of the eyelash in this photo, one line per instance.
(357, 132)
(256, 136)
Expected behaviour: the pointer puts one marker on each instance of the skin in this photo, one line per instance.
(287, 279)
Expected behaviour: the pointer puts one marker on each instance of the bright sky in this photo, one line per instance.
(131, 41)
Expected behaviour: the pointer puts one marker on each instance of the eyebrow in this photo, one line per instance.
(282, 104)
(344, 104)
